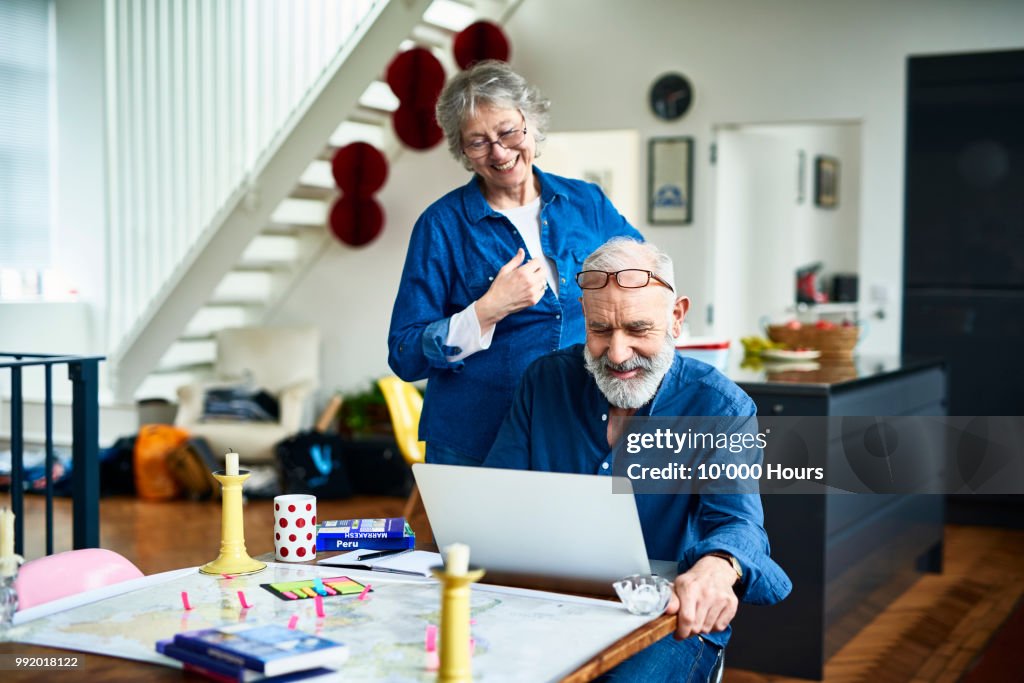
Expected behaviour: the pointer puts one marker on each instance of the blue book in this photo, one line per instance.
(378, 528)
(221, 670)
(267, 649)
(332, 543)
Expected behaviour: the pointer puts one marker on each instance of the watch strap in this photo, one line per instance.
(732, 562)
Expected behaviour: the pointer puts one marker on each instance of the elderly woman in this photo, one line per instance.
(489, 279)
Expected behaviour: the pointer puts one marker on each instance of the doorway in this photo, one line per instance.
(785, 196)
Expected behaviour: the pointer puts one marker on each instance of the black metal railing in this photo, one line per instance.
(83, 372)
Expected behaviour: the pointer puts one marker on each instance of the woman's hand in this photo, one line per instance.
(517, 286)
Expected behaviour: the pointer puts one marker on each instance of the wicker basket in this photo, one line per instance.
(837, 342)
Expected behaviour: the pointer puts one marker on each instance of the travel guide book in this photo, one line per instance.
(389, 533)
(268, 649)
(228, 672)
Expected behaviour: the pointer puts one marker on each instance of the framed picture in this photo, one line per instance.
(670, 181)
(826, 182)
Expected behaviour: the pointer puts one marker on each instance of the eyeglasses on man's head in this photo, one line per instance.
(630, 278)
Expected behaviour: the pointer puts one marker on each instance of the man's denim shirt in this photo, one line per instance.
(456, 248)
(559, 422)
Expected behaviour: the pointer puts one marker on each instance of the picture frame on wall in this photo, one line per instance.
(670, 181)
(826, 182)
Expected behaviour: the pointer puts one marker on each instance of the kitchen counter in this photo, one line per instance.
(847, 554)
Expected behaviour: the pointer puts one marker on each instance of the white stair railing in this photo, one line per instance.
(198, 93)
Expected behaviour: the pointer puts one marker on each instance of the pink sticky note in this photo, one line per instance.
(241, 599)
(319, 606)
(293, 622)
(290, 595)
(366, 590)
(184, 600)
(431, 638)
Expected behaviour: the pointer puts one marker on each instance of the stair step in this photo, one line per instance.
(301, 212)
(253, 287)
(213, 317)
(272, 249)
(165, 384)
(426, 35)
(374, 132)
(324, 194)
(319, 174)
(450, 15)
(378, 97)
(189, 353)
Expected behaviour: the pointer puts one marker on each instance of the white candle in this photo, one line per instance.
(231, 464)
(6, 533)
(457, 559)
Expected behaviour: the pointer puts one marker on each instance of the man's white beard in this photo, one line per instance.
(636, 391)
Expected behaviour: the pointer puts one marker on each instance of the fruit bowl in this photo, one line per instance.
(833, 341)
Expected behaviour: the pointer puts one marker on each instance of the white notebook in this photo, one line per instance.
(410, 562)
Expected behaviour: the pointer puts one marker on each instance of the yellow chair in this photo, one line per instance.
(405, 404)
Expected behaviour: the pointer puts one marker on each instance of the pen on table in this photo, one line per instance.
(382, 553)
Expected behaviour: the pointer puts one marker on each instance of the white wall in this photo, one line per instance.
(749, 61)
(766, 226)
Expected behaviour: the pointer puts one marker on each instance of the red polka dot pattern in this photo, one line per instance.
(294, 512)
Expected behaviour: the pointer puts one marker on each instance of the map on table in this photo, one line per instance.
(518, 635)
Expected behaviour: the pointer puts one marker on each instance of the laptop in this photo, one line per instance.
(546, 530)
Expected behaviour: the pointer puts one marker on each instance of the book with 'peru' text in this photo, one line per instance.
(391, 533)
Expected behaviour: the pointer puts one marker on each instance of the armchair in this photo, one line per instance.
(284, 361)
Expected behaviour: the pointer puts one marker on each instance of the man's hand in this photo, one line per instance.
(515, 287)
(703, 598)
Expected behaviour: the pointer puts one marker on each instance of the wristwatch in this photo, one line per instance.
(731, 560)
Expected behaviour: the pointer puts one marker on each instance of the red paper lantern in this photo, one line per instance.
(480, 41)
(356, 220)
(416, 77)
(359, 169)
(416, 126)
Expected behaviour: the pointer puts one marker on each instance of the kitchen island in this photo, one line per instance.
(848, 554)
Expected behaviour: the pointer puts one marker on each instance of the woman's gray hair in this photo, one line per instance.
(622, 253)
(493, 83)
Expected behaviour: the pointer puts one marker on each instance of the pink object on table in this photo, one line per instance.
(431, 638)
(319, 601)
(75, 571)
(366, 591)
(293, 622)
(241, 599)
(184, 600)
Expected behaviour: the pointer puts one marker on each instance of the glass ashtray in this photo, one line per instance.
(644, 595)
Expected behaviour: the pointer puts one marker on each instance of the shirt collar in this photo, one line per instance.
(477, 208)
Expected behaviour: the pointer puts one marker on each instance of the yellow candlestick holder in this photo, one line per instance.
(233, 558)
(456, 665)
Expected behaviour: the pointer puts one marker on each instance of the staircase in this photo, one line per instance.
(273, 228)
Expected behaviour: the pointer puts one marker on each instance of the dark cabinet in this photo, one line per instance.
(847, 554)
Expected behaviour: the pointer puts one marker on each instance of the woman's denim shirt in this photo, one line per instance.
(456, 248)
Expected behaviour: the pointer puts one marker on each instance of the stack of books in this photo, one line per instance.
(392, 533)
(256, 652)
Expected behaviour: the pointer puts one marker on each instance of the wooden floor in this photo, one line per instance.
(933, 631)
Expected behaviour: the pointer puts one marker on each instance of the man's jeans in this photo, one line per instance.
(691, 661)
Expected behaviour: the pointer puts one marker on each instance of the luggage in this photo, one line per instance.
(192, 464)
(153, 478)
(313, 462)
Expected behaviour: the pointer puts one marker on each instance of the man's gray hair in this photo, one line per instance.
(622, 253)
(493, 83)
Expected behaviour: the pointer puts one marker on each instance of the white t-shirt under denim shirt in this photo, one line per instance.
(464, 327)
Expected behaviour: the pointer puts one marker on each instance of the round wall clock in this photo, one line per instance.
(671, 96)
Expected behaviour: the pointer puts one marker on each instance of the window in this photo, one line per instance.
(25, 71)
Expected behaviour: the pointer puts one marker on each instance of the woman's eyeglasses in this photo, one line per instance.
(478, 149)
(631, 278)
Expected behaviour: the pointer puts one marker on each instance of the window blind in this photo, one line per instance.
(24, 134)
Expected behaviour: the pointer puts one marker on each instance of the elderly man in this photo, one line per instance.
(561, 421)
